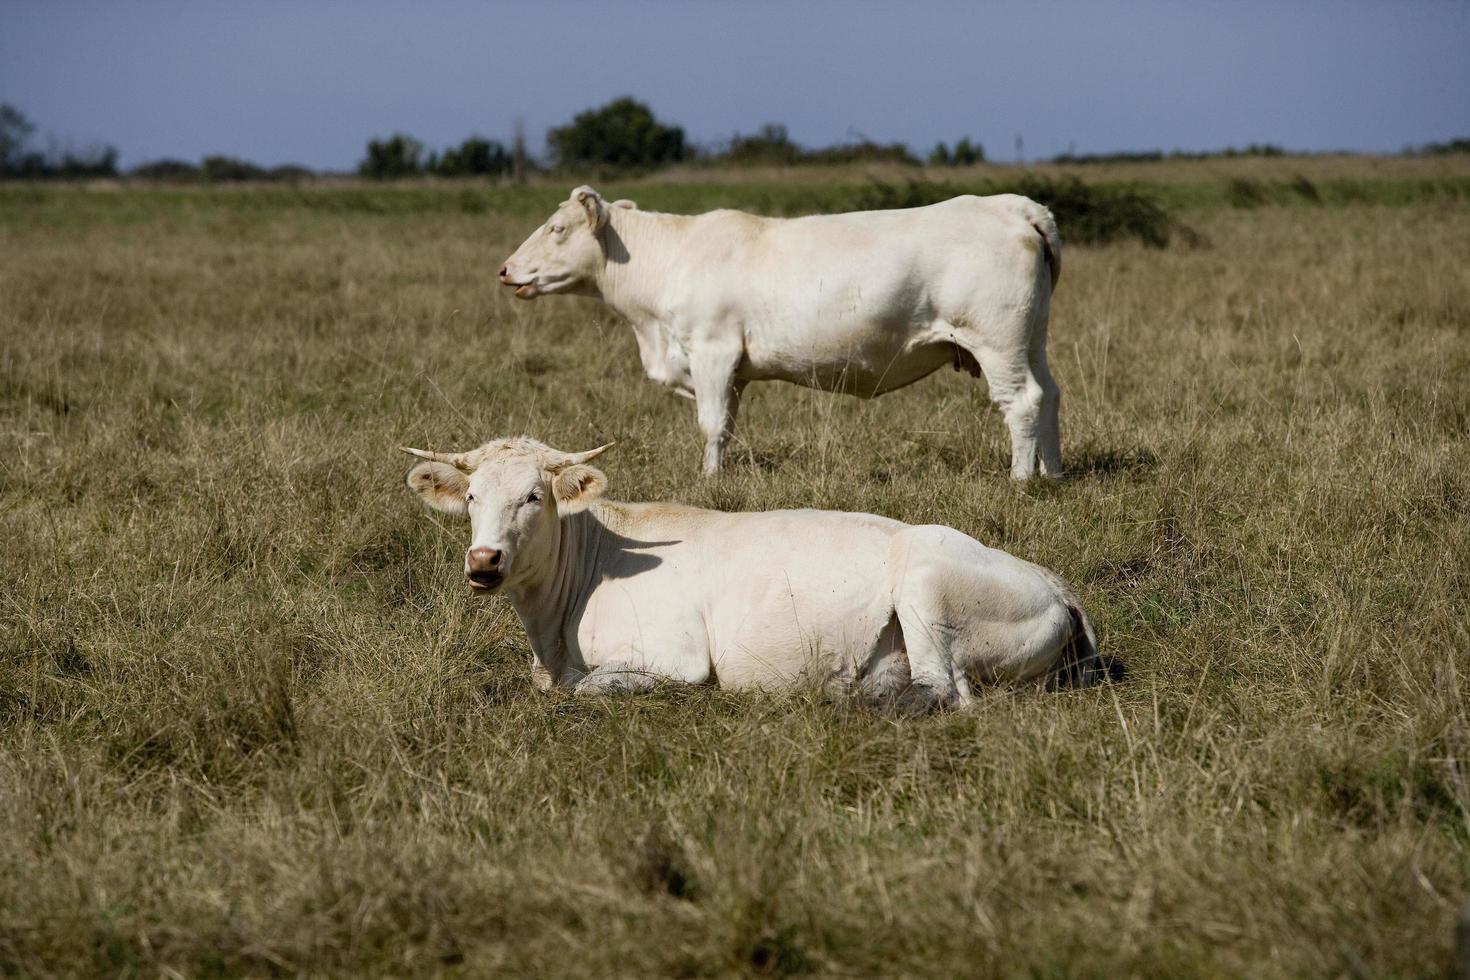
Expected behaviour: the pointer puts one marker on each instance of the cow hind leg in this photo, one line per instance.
(1021, 396)
(885, 677)
(971, 615)
(1048, 432)
(717, 397)
(927, 636)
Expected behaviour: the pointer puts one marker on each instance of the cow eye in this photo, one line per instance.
(558, 229)
(533, 497)
(469, 498)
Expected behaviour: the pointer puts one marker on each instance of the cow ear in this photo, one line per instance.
(625, 204)
(591, 202)
(577, 486)
(441, 486)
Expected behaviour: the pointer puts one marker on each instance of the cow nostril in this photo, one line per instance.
(482, 560)
(504, 271)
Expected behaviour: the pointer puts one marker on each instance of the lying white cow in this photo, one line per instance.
(861, 303)
(620, 595)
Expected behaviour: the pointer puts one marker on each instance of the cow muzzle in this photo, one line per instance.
(484, 568)
(524, 290)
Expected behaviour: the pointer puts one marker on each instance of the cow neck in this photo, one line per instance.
(638, 245)
(544, 607)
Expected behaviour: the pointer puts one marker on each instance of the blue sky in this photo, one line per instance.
(309, 82)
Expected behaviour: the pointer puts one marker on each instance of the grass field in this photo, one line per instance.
(252, 723)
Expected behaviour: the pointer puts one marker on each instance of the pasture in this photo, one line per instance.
(252, 722)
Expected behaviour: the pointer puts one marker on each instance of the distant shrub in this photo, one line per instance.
(475, 157)
(1094, 214)
(218, 169)
(398, 156)
(1087, 213)
(1153, 156)
(99, 161)
(1133, 156)
(1242, 192)
(18, 162)
(964, 154)
(622, 135)
(1254, 150)
(166, 169)
(221, 169)
(1461, 145)
(1306, 190)
(770, 146)
(15, 133)
(403, 156)
(864, 151)
(289, 173)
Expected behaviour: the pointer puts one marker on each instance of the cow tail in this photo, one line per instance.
(1051, 239)
(1081, 664)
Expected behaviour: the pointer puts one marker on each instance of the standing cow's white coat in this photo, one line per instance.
(621, 595)
(860, 303)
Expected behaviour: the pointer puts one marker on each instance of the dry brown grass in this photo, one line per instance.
(253, 724)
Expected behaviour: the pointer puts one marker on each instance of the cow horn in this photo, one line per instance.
(563, 460)
(459, 461)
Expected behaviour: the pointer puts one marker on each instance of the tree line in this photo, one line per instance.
(622, 136)
(20, 159)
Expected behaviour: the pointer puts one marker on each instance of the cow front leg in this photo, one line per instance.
(717, 396)
(631, 676)
(619, 678)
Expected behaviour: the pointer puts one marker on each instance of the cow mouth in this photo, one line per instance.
(524, 290)
(484, 581)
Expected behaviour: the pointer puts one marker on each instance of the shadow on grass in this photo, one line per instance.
(766, 459)
(1092, 461)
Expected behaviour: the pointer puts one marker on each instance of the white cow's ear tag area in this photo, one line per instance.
(577, 486)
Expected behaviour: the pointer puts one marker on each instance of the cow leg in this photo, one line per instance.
(717, 397)
(980, 615)
(928, 632)
(1048, 431)
(1019, 395)
(619, 678)
(642, 673)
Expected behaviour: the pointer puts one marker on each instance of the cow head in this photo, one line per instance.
(514, 492)
(566, 252)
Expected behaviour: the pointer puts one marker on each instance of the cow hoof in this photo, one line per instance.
(922, 699)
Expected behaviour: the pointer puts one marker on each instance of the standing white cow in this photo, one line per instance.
(860, 303)
(617, 596)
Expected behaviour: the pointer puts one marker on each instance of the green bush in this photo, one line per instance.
(770, 146)
(964, 154)
(864, 151)
(219, 169)
(475, 157)
(622, 134)
(166, 169)
(1461, 145)
(1086, 213)
(1153, 156)
(15, 133)
(18, 162)
(398, 156)
(1243, 192)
